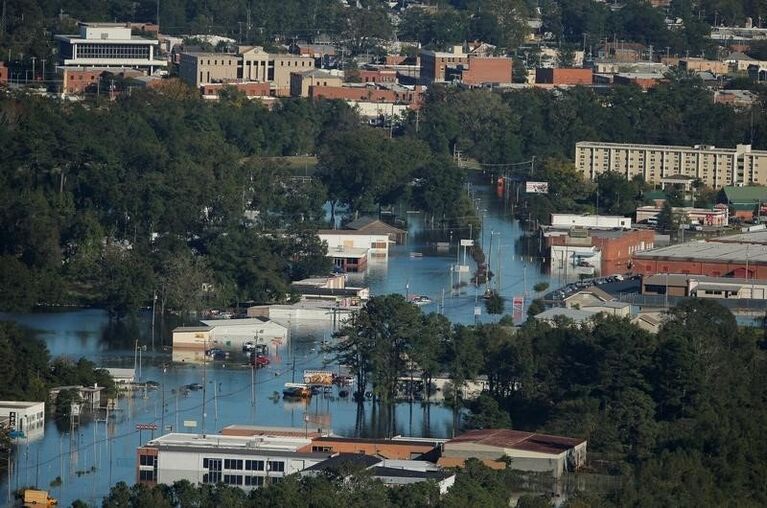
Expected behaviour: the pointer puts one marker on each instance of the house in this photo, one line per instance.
(649, 321)
(374, 244)
(528, 451)
(375, 226)
(588, 296)
(619, 309)
(553, 316)
(90, 395)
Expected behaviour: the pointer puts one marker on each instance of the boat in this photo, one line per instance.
(420, 300)
(296, 391)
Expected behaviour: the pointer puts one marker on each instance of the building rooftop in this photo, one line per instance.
(347, 252)
(753, 237)
(192, 329)
(518, 440)
(267, 431)
(747, 194)
(226, 442)
(342, 461)
(399, 440)
(593, 290)
(254, 321)
(576, 315)
(607, 305)
(697, 148)
(366, 222)
(21, 404)
(708, 251)
(392, 472)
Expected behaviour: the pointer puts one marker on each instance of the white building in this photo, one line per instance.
(346, 239)
(191, 342)
(566, 220)
(109, 45)
(22, 416)
(574, 260)
(241, 461)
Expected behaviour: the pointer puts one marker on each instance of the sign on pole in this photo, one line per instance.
(467, 243)
(537, 187)
(190, 424)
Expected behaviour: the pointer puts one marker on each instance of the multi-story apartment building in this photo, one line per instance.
(715, 167)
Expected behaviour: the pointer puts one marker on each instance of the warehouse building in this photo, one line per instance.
(714, 259)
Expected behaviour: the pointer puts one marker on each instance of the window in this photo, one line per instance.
(144, 475)
(274, 466)
(254, 465)
(322, 449)
(212, 478)
(233, 479)
(254, 481)
(212, 464)
(232, 464)
(147, 460)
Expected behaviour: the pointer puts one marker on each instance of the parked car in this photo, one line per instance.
(258, 360)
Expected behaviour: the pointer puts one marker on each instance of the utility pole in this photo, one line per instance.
(33, 67)
(154, 304)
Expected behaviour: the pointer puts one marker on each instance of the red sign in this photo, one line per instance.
(146, 426)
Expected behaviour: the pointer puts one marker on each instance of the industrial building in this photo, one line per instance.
(702, 286)
(718, 216)
(528, 451)
(715, 167)
(586, 220)
(712, 258)
(109, 45)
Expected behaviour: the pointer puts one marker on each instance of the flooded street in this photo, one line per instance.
(98, 453)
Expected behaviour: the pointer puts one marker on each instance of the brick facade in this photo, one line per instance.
(249, 89)
(563, 76)
(694, 267)
(487, 70)
(616, 249)
(368, 94)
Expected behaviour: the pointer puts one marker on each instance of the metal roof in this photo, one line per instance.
(518, 440)
(708, 251)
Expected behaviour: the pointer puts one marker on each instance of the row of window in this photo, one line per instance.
(112, 51)
(147, 475)
(147, 460)
(228, 479)
(240, 464)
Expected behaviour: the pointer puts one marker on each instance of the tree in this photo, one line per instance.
(666, 217)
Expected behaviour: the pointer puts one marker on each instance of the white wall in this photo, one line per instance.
(601, 221)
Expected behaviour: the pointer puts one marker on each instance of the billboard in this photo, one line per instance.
(537, 187)
(318, 377)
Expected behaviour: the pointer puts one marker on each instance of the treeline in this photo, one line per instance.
(163, 193)
(29, 23)
(513, 126)
(476, 485)
(28, 371)
(666, 414)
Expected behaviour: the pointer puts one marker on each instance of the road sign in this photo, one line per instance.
(190, 423)
(146, 426)
(461, 268)
(467, 243)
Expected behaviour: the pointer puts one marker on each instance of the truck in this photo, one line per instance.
(34, 497)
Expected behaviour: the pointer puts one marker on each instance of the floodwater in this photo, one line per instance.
(85, 461)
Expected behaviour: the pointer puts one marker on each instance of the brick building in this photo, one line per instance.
(434, 64)
(564, 76)
(398, 95)
(615, 247)
(479, 70)
(645, 81)
(250, 89)
(377, 75)
(713, 258)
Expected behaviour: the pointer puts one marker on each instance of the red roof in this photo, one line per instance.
(518, 440)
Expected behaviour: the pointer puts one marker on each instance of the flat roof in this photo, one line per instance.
(192, 329)
(19, 403)
(639, 146)
(718, 287)
(663, 279)
(576, 315)
(263, 430)
(179, 440)
(346, 232)
(607, 305)
(398, 441)
(392, 472)
(341, 460)
(518, 440)
(754, 237)
(708, 251)
(254, 321)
